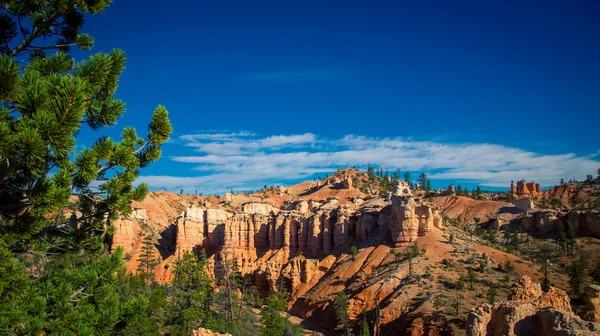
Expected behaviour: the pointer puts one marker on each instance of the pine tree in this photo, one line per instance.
(340, 306)
(492, 293)
(47, 100)
(353, 251)
(45, 103)
(364, 329)
(407, 179)
(413, 252)
(147, 260)
(459, 190)
(478, 193)
(471, 276)
(274, 323)
(577, 275)
(423, 181)
(192, 295)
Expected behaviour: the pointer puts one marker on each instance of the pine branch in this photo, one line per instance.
(77, 292)
(58, 46)
(35, 33)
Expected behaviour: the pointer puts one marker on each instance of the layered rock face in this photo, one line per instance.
(525, 188)
(411, 219)
(529, 311)
(586, 223)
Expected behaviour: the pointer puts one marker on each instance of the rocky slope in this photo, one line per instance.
(529, 311)
(300, 238)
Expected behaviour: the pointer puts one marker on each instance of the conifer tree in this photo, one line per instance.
(423, 181)
(147, 260)
(192, 295)
(45, 102)
(340, 306)
(47, 99)
(492, 293)
(275, 324)
(413, 252)
(471, 276)
(407, 179)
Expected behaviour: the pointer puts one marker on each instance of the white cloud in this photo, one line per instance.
(245, 161)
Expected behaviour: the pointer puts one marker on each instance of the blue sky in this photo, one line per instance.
(479, 92)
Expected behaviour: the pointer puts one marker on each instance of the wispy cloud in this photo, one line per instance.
(296, 75)
(246, 161)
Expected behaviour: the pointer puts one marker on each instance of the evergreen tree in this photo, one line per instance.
(471, 276)
(545, 255)
(147, 260)
(492, 293)
(47, 99)
(353, 251)
(461, 283)
(407, 179)
(459, 190)
(428, 185)
(340, 306)
(413, 252)
(370, 172)
(397, 175)
(456, 304)
(423, 181)
(577, 276)
(45, 103)
(478, 193)
(364, 329)
(274, 323)
(192, 296)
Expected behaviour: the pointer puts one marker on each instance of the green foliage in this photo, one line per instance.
(410, 254)
(577, 275)
(91, 292)
(508, 266)
(45, 103)
(407, 179)
(340, 307)
(55, 276)
(492, 293)
(192, 296)
(353, 251)
(471, 276)
(147, 260)
(451, 238)
(271, 317)
(364, 329)
(456, 304)
(461, 283)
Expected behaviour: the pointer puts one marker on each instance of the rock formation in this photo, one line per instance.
(411, 219)
(545, 221)
(347, 183)
(529, 311)
(525, 188)
(207, 332)
(592, 303)
(525, 204)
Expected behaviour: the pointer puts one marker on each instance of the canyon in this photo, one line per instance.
(299, 239)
